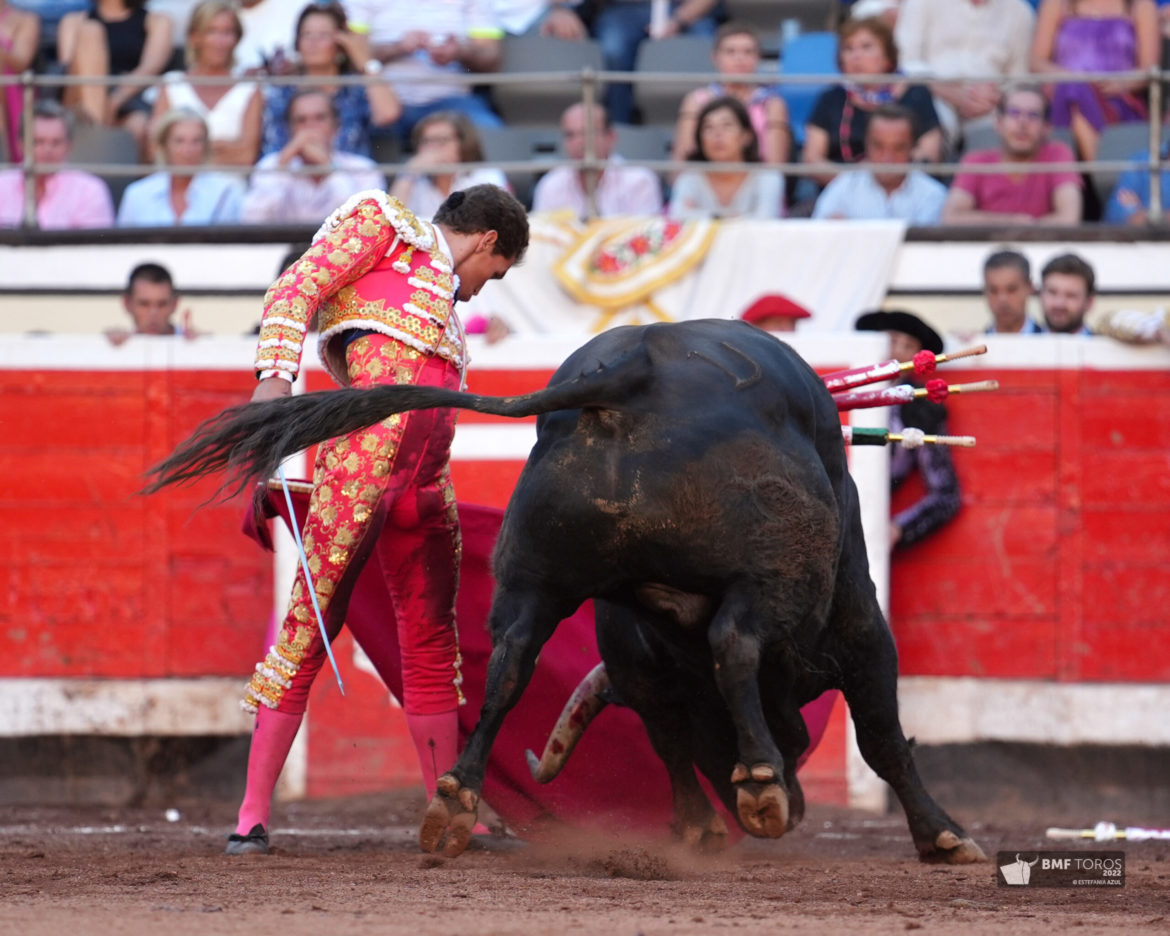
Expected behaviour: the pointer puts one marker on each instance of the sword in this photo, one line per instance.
(296, 528)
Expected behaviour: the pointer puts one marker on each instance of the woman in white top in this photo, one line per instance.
(724, 134)
(444, 137)
(233, 112)
(167, 198)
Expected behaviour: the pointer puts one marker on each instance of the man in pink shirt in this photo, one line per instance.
(65, 199)
(1017, 198)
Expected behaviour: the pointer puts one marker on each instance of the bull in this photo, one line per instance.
(691, 479)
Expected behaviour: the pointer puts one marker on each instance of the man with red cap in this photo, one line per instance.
(775, 313)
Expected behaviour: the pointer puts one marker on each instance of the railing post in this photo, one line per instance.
(589, 175)
(28, 102)
(1154, 213)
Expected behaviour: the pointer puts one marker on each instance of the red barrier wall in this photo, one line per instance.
(1057, 566)
(1056, 569)
(100, 582)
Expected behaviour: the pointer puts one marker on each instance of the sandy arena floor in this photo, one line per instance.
(352, 867)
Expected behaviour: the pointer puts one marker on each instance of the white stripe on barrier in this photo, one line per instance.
(966, 709)
(934, 709)
(153, 353)
(122, 707)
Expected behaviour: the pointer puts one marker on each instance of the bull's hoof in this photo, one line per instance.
(449, 821)
(951, 849)
(760, 801)
(708, 838)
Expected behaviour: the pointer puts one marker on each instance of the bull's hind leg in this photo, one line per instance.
(869, 680)
(521, 624)
(647, 680)
(761, 800)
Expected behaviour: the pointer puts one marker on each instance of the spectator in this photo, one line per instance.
(1130, 201)
(913, 197)
(424, 40)
(269, 30)
(1067, 287)
(279, 196)
(232, 112)
(723, 133)
(442, 137)
(836, 128)
(775, 313)
(965, 39)
(1007, 286)
(1031, 198)
(327, 50)
(618, 189)
(943, 499)
(737, 52)
(556, 18)
(164, 198)
(19, 37)
(1095, 36)
(150, 300)
(621, 26)
(114, 37)
(65, 198)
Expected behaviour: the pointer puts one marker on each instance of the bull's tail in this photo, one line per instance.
(251, 440)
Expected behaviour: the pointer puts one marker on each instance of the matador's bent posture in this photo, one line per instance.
(384, 284)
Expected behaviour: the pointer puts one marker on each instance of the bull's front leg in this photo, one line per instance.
(521, 624)
(760, 797)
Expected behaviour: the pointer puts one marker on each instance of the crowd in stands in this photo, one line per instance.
(917, 88)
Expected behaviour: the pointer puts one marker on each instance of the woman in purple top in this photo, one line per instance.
(1095, 36)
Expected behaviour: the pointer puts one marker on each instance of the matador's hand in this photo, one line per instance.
(270, 388)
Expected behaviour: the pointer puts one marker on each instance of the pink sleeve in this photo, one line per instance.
(350, 250)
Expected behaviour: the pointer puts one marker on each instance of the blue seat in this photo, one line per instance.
(813, 53)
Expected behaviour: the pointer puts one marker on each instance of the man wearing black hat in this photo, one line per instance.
(909, 335)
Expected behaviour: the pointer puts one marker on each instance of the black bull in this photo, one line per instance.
(691, 478)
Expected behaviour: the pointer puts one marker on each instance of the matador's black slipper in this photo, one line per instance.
(254, 843)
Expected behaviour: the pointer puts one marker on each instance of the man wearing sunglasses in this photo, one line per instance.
(1014, 197)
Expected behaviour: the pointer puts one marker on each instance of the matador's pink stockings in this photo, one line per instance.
(271, 740)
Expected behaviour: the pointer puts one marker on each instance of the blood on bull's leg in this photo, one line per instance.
(521, 623)
(761, 800)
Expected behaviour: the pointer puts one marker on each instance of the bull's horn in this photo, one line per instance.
(586, 701)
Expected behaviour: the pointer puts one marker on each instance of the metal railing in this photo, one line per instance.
(591, 83)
